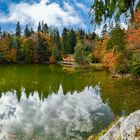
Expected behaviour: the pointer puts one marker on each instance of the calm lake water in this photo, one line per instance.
(53, 103)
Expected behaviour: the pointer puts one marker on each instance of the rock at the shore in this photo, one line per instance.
(125, 129)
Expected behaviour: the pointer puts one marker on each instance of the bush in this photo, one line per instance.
(136, 63)
(117, 62)
(123, 62)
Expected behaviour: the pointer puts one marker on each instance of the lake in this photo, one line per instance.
(48, 102)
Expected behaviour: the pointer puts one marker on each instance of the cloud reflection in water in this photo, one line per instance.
(59, 117)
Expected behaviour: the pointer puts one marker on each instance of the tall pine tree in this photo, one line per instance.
(27, 32)
(18, 29)
(81, 33)
(72, 41)
(32, 31)
(0, 33)
(45, 28)
(39, 27)
(64, 40)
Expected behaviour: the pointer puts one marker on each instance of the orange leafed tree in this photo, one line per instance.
(133, 33)
(110, 60)
(137, 16)
(100, 48)
(9, 53)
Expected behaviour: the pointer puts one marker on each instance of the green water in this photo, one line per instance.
(51, 98)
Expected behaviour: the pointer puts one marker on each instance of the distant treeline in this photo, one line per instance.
(41, 46)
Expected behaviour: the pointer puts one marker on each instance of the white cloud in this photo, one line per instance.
(51, 13)
(82, 7)
(44, 1)
(76, 112)
(124, 25)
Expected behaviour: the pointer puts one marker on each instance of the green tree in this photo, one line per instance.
(39, 29)
(56, 42)
(44, 48)
(102, 10)
(117, 40)
(45, 28)
(69, 40)
(26, 50)
(81, 33)
(18, 29)
(83, 52)
(41, 49)
(57, 46)
(104, 30)
(72, 41)
(91, 36)
(17, 43)
(64, 40)
(0, 32)
(136, 63)
(32, 31)
(27, 32)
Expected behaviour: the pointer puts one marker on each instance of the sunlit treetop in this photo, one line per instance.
(103, 10)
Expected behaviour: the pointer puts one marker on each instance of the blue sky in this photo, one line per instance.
(60, 13)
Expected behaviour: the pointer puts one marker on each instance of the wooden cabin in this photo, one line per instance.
(68, 60)
(52, 59)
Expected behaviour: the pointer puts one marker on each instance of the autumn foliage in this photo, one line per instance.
(133, 33)
(7, 52)
(100, 48)
(36, 48)
(137, 17)
(110, 60)
(133, 39)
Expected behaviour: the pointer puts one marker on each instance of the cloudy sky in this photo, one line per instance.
(70, 13)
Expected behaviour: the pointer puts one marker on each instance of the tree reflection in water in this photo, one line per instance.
(57, 117)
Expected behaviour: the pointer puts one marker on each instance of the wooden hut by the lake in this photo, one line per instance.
(52, 59)
(68, 60)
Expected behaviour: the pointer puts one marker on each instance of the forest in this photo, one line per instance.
(116, 48)
(39, 46)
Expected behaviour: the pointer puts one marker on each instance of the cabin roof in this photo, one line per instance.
(68, 55)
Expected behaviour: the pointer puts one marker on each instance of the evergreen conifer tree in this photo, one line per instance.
(27, 32)
(39, 27)
(18, 29)
(45, 28)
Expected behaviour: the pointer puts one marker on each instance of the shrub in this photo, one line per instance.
(136, 63)
(123, 62)
(117, 62)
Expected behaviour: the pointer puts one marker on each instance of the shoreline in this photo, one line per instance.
(124, 128)
(93, 67)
